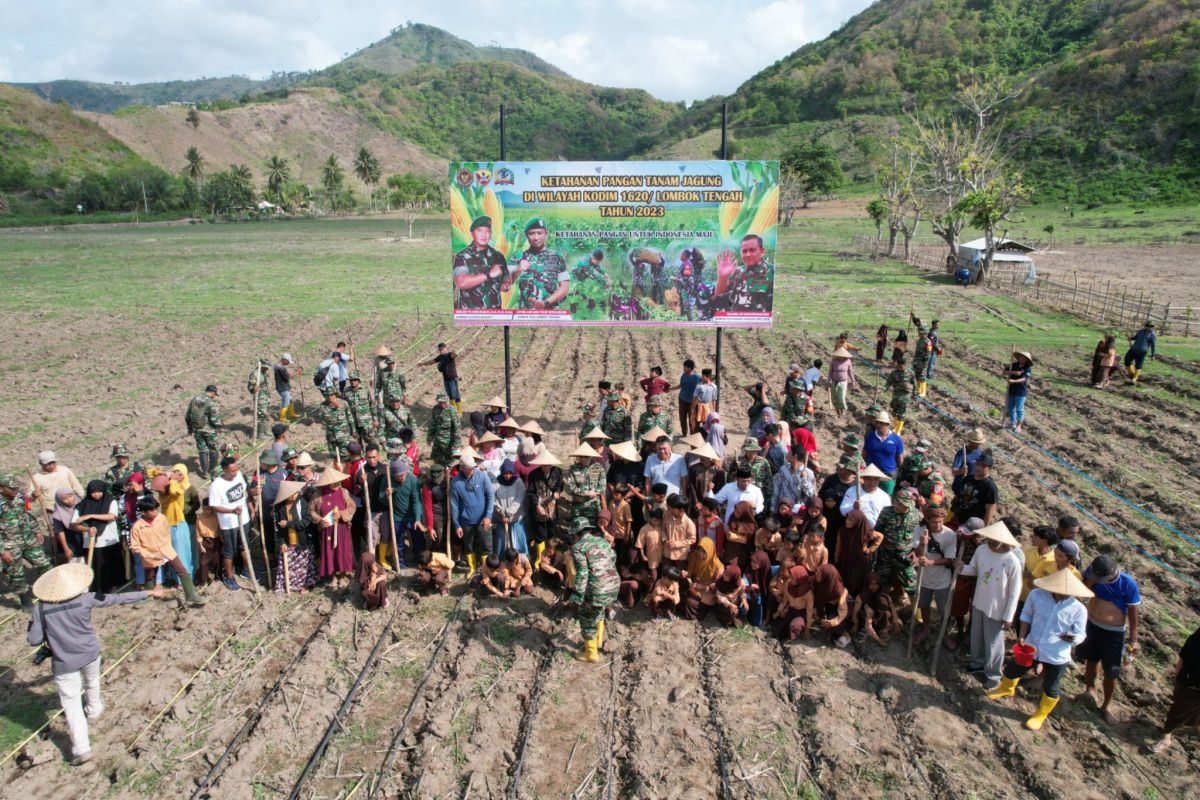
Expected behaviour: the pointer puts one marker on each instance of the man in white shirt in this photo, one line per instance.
(997, 590)
(812, 377)
(227, 497)
(665, 466)
(867, 497)
(741, 489)
(936, 547)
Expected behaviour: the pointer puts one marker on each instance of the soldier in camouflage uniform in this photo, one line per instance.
(391, 381)
(760, 469)
(444, 432)
(260, 396)
(118, 473)
(596, 584)
(589, 419)
(920, 356)
(337, 419)
(617, 425)
(907, 473)
(653, 415)
(931, 486)
(480, 270)
(796, 404)
(584, 484)
(395, 417)
(591, 268)
(203, 418)
(902, 384)
(542, 277)
(20, 540)
(893, 560)
(749, 287)
(362, 410)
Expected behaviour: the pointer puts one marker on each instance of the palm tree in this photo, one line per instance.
(278, 174)
(243, 180)
(331, 178)
(195, 165)
(366, 167)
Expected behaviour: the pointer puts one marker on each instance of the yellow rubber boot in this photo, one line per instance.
(537, 557)
(920, 388)
(1035, 722)
(381, 555)
(898, 427)
(1129, 372)
(470, 565)
(1007, 688)
(588, 651)
(1137, 375)
(283, 414)
(600, 634)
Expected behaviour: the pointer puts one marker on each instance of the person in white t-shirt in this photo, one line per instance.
(936, 547)
(227, 497)
(665, 466)
(867, 497)
(741, 489)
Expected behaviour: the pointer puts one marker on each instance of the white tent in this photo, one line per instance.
(1006, 251)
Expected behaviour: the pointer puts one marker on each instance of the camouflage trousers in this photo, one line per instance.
(441, 454)
(262, 414)
(895, 568)
(899, 406)
(589, 615)
(206, 441)
(24, 548)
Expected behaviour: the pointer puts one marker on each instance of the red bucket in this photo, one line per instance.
(1023, 654)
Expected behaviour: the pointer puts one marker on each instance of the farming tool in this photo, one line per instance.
(392, 517)
(945, 622)
(46, 513)
(262, 530)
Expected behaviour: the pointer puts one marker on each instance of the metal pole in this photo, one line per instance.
(721, 331)
(507, 329)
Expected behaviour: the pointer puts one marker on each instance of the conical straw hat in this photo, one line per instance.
(531, 427)
(842, 352)
(625, 450)
(998, 532)
(1063, 582)
(694, 440)
(547, 459)
(497, 402)
(873, 471)
(653, 434)
(508, 422)
(705, 451)
(584, 450)
(287, 489)
(488, 437)
(63, 583)
(331, 477)
(383, 351)
(596, 433)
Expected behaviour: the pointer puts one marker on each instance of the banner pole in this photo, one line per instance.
(721, 331)
(507, 329)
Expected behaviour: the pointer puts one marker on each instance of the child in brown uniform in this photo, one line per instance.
(796, 607)
(520, 571)
(873, 611)
(433, 572)
(813, 554)
(620, 524)
(372, 581)
(650, 540)
(494, 578)
(731, 597)
(552, 566)
(769, 539)
(664, 596)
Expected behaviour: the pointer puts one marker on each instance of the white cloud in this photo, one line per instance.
(677, 50)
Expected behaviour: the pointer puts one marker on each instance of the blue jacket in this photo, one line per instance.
(471, 499)
(1143, 341)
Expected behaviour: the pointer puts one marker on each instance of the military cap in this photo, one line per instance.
(904, 497)
(389, 361)
(354, 376)
(588, 408)
(268, 460)
(582, 525)
(922, 446)
(750, 445)
(614, 395)
(327, 391)
(655, 400)
(279, 429)
(874, 409)
(851, 463)
(917, 461)
(442, 397)
(8, 480)
(795, 384)
(852, 440)
(481, 222)
(212, 387)
(119, 450)
(536, 222)
(264, 364)
(394, 445)
(289, 453)
(392, 397)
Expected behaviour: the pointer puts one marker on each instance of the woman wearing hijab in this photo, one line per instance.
(703, 569)
(98, 512)
(543, 491)
(739, 535)
(831, 603)
(732, 601)
(762, 604)
(714, 432)
(759, 428)
(173, 497)
(478, 422)
(71, 534)
(795, 610)
(856, 544)
(331, 511)
(296, 568)
(510, 511)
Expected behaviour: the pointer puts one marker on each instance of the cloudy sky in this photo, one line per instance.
(676, 49)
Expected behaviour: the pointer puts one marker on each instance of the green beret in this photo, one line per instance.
(481, 222)
(328, 391)
(536, 222)
(750, 445)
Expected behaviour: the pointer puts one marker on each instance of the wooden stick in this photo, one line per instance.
(937, 646)
(262, 525)
(912, 621)
(446, 506)
(392, 515)
(46, 513)
(362, 470)
(91, 544)
(246, 553)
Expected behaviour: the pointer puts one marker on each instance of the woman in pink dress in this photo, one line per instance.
(331, 511)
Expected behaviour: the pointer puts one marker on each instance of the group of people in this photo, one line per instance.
(673, 517)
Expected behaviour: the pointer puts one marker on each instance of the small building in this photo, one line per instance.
(1007, 255)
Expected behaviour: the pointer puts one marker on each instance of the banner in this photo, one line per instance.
(627, 243)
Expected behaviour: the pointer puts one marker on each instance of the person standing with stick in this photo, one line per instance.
(331, 511)
(1018, 375)
(262, 525)
(227, 497)
(21, 543)
(297, 567)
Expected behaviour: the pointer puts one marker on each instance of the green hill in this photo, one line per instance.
(108, 97)
(1110, 108)
(414, 45)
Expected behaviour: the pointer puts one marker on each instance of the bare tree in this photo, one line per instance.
(791, 195)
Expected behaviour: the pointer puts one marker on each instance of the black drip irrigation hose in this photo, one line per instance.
(336, 722)
(526, 730)
(724, 755)
(252, 722)
(394, 749)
